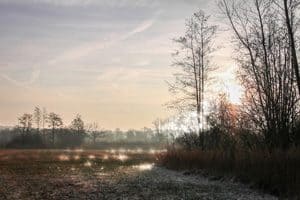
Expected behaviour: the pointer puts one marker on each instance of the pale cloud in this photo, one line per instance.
(93, 46)
(53, 2)
(119, 4)
(13, 81)
(125, 75)
(110, 3)
(66, 2)
(141, 28)
(143, 63)
(35, 74)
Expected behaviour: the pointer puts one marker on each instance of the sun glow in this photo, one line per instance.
(235, 93)
(230, 85)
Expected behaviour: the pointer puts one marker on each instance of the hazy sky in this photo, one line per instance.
(105, 59)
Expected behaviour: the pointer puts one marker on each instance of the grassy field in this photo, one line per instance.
(25, 173)
(111, 174)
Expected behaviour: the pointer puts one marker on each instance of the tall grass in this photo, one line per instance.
(277, 171)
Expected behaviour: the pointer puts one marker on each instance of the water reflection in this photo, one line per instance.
(76, 157)
(112, 151)
(144, 166)
(120, 154)
(121, 157)
(87, 164)
(63, 157)
(137, 151)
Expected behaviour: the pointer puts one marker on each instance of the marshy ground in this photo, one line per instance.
(112, 174)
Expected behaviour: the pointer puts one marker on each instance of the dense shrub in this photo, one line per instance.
(275, 171)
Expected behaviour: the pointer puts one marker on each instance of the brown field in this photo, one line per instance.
(113, 174)
(275, 172)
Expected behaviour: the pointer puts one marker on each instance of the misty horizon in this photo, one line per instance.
(106, 60)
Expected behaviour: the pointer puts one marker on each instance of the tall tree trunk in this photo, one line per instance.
(292, 43)
(202, 80)
(53, 136)
(197, 89)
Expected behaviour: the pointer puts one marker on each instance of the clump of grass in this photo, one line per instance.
(277, 171)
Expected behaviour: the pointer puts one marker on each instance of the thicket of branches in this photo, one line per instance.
(266, 40)
(258, 140)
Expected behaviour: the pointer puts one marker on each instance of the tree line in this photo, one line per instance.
(41, 129)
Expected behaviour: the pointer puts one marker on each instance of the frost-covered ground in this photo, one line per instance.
(105, 175)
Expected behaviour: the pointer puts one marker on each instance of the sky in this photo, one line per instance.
(107, 60)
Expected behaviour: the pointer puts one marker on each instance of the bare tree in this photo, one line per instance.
(290, 7)
(157, 126)
(26, 122)
(37, 115)
(54, 121)
(77, 124)
(193, 60)
(94, 132)
(157, 130)
(265, 68)
(44, 117)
